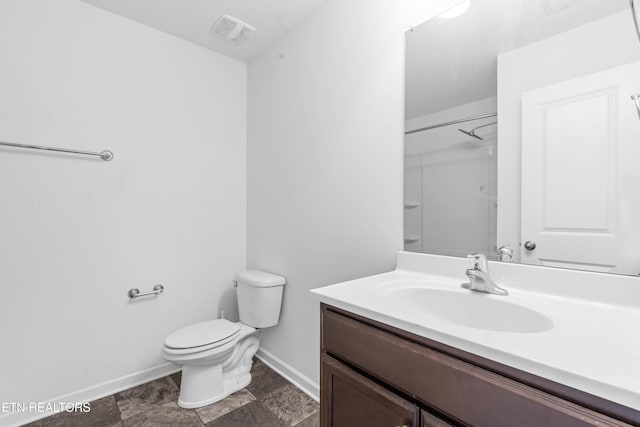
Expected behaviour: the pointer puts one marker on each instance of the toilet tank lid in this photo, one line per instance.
(260, 278)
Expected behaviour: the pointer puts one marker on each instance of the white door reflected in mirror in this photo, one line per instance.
(580, 145)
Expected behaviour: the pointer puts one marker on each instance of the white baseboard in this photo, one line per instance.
(107, 388)
(304, 383)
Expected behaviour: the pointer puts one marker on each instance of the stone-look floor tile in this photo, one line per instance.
(223, 407)
(265, 382)
(153, 404)
(104, 413)
(258, 368)
(311, 421)
(177, 378)
(290, 404)
(168, 414)
(146, 396)
(250, 415)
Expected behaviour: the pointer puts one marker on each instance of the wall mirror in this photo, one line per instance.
(523, 131)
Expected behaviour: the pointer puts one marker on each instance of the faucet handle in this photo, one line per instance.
(478, 261)
(505, 253)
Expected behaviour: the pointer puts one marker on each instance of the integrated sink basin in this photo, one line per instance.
(467, 308)
(565, 326)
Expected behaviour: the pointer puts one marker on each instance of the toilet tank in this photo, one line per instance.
(259, 298)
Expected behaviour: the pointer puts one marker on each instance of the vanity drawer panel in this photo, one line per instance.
(355, 401)
(465, 392)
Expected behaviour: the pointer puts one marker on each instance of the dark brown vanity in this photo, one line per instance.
(377, 375)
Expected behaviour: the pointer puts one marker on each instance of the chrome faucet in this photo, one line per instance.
(479, 279)
(505, 253)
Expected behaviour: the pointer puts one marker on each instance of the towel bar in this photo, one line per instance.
(105, 155)
(135, 292)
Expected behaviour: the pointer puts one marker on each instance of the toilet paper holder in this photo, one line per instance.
(135, 292)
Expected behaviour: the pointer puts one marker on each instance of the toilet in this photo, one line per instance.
(216, 355)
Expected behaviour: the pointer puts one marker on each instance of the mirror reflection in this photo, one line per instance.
(523, 133)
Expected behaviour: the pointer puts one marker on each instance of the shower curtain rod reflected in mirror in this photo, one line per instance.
(634, 13)
(453, 122)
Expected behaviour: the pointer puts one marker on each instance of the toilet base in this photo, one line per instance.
(196, 392)
(204, 384)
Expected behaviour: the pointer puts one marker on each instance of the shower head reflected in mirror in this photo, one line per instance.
(472, 132)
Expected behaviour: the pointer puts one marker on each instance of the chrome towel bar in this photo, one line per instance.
(105, 155)
(135, 292)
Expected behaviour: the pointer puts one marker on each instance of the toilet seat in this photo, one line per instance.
(201, 337)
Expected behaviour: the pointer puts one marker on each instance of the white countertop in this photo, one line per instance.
(593, 345)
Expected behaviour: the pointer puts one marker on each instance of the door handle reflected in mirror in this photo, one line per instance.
(529, 245)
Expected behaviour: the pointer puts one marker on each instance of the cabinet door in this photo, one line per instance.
(350, 400)
(430, 420)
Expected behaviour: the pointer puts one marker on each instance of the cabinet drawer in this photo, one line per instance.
(352, 400)
(463, 391)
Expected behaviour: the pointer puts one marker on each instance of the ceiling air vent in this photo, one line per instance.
(232, 29)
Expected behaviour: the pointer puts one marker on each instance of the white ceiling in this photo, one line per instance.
(451, 62)
(192, 19)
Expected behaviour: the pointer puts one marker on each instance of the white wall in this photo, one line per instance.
(77, 233)
(325, 149)
(594, 47)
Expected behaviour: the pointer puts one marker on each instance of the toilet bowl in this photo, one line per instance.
(217, 355)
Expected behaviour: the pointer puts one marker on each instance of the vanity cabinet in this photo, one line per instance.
(376, 375)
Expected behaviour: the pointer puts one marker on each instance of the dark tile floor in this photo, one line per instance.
(269, 401)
